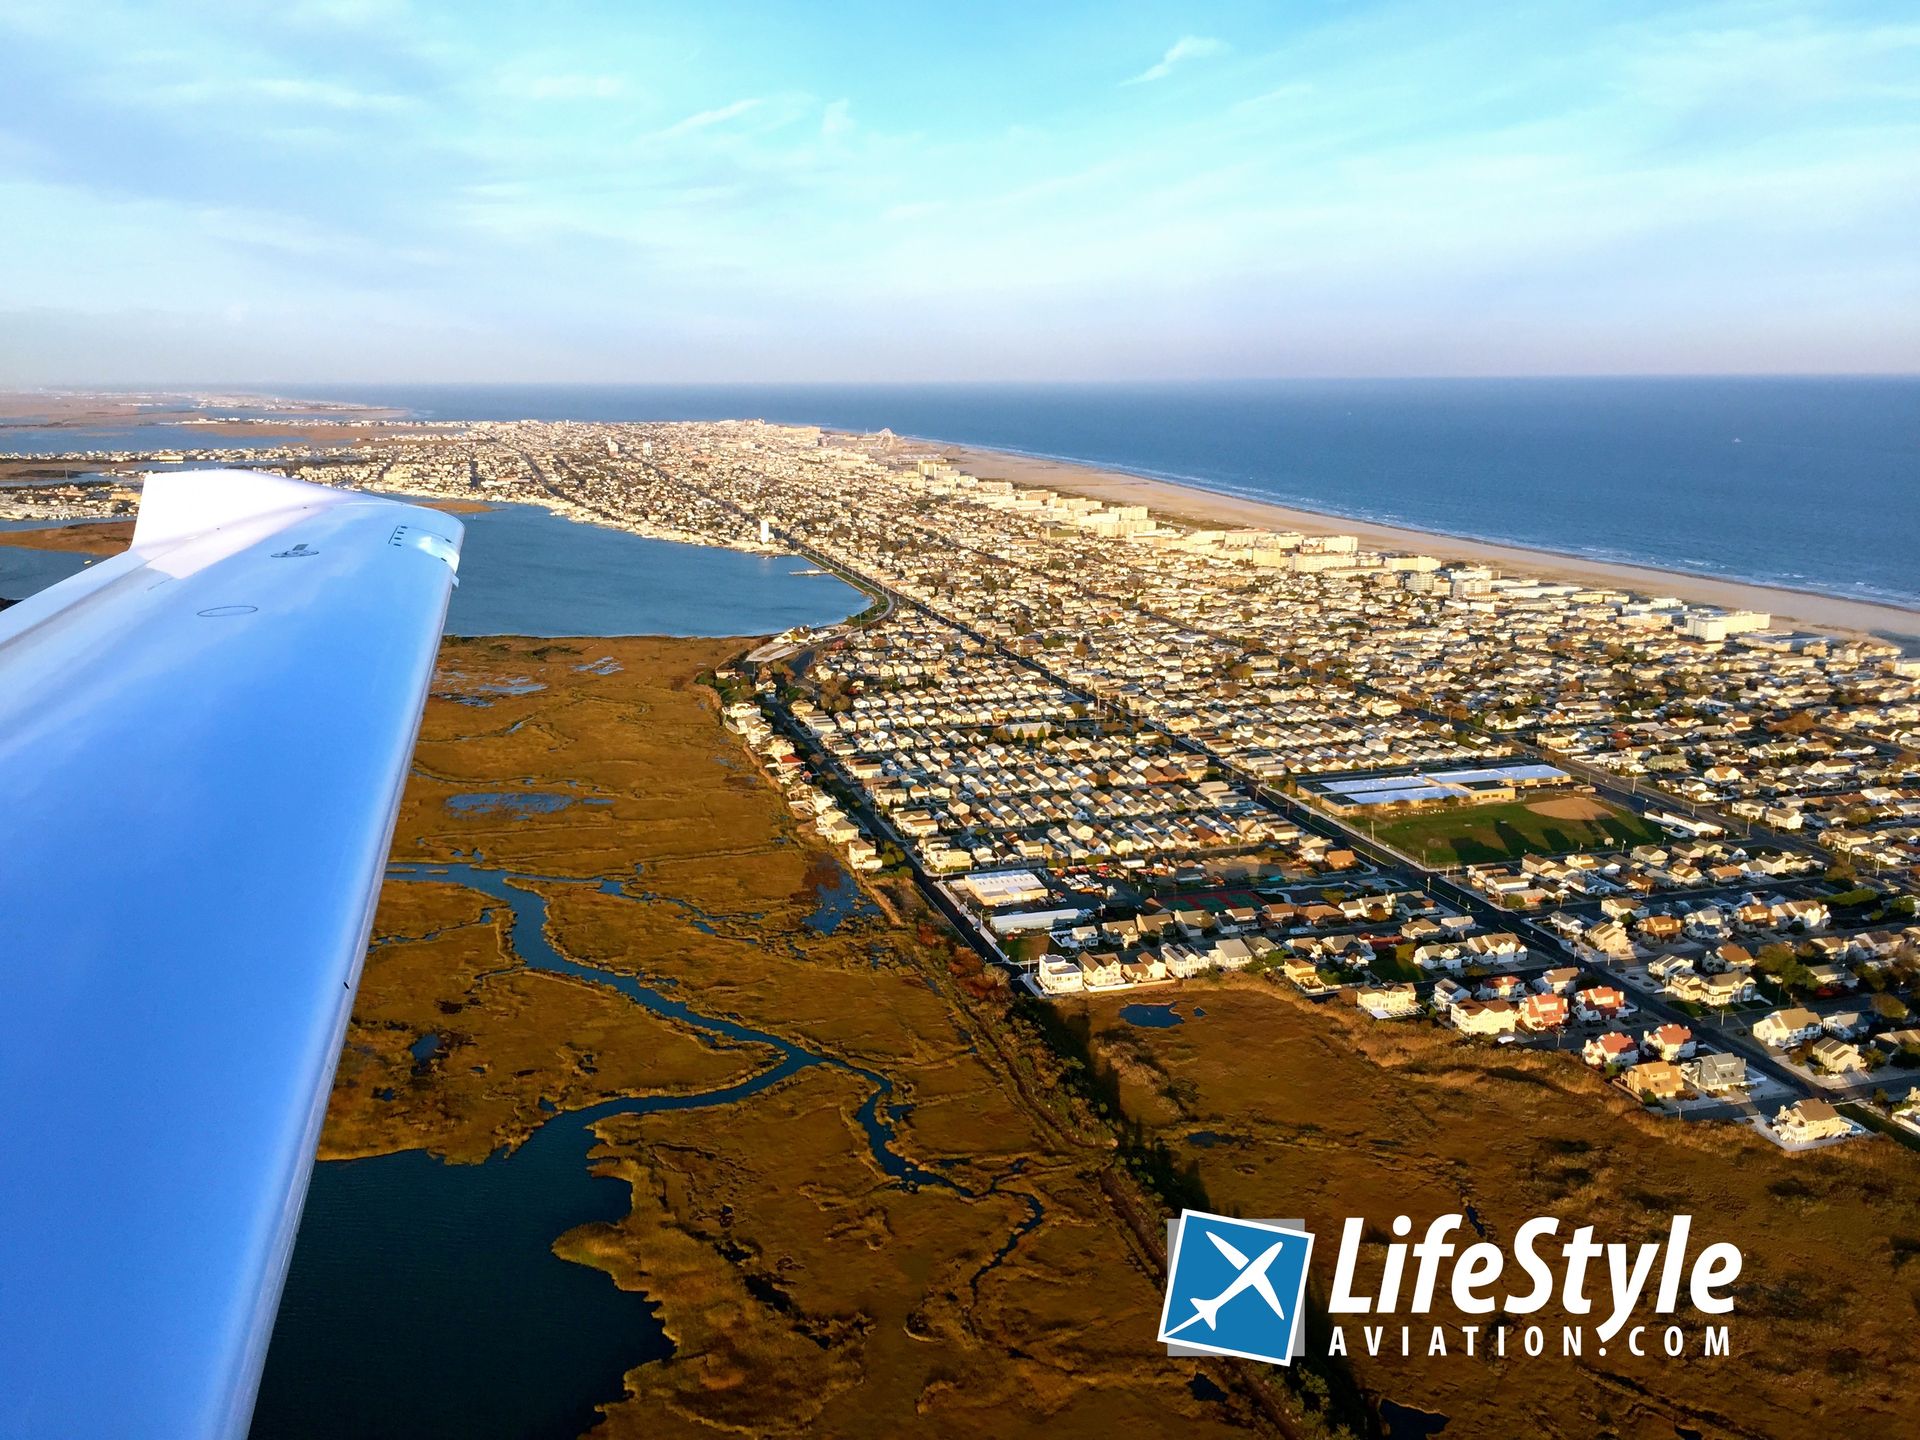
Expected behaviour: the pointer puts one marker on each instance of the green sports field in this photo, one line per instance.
(1509, 829)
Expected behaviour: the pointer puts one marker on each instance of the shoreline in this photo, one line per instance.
(1192, 501)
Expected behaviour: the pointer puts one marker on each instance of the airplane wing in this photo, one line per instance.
(1263, 1284)
(1234, 1257)
(202, 747)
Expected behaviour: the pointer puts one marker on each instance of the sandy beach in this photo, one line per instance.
(1790, 608)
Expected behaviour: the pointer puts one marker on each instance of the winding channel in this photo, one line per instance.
(424, 1298)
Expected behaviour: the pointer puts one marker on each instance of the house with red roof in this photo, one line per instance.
(1669, 1042)
(1544, 1012)
(1616, 1047)
(1597, 1003)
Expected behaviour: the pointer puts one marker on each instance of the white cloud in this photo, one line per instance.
(1187, 47)
(836, 120)
(316, 94)
(706, 119)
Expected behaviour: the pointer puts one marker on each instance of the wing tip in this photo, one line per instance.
(176, 505)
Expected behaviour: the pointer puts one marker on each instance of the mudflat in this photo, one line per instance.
(1008, 1283)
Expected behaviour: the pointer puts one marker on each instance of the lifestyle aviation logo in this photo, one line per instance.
(1235, 1287)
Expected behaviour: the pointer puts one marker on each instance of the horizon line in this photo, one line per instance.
(257, 386)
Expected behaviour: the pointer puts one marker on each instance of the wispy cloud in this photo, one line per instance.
(1187, 47)
(394, 173)
(315, 94)
(707, 119)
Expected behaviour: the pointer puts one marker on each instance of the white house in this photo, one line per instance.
(1837, 1056)
(1389, 1002)
(1613, 1048)
(1489, 1017)
(1058, 975)
(1784, 1029)
(1669, 1042)
(1810, 1120)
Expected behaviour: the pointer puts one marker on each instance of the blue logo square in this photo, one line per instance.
(1236, 1287)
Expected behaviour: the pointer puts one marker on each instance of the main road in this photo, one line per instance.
(1387, 859)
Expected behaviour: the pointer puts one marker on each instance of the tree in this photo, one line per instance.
(1786, 967)
(1888, 1007)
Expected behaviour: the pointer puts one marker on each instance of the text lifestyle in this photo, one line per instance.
(1477, 1268)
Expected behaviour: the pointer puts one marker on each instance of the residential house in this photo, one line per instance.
(1304, 973)
(1544, 1012)
(1232, 954)
(1058, 975)
(1598, 1003)
(1484, 1017)
(1669, 968)
(1613, 1048)
(1845, 1024)
(1729, 957)
(1608, 941)
(1808, 914)
(1837, 1057)
(1669, 1042)
(1659, 929)
(1497, 946)
(1784, 1029)
(1895, 1042)
(1440, 956)
(1389, 1002)
(1731, 987)
(1656, 1080)
(1719, 1073)
(1184, 964)
(1833, 976)
(1810, 1120)
(1708, 923)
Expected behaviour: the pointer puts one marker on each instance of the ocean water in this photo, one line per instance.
(1807, 483)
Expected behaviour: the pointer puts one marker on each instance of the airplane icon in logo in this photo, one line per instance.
(1253, 1275)
(1199, 1312)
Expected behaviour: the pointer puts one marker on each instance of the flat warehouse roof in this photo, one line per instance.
(1402, 796)
(1373, 782)
(1504, 772)
(1440, 779)
(1004, 884)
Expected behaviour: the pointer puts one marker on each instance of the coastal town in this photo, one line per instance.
(1124, 751)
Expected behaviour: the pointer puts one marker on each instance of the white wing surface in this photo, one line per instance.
(202, 746)
(1234, 1257)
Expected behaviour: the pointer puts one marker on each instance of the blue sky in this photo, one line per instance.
(389, 190)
